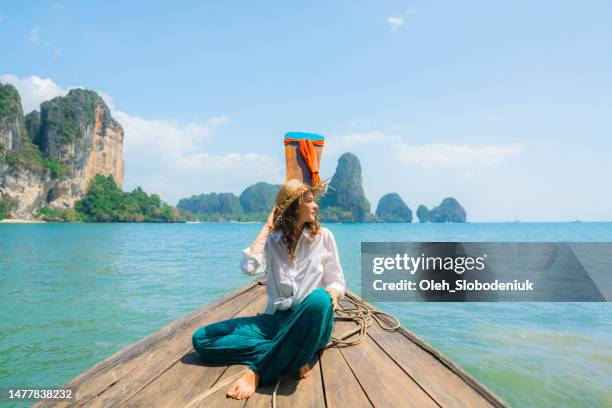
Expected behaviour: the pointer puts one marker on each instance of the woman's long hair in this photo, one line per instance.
(287, 224)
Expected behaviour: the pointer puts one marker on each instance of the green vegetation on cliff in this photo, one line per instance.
(30, 157)
(10, 101)
(222, 204)
(58, 214)
(62, 115)
(23, 153)
(254, 204)
(32, 126)
(12, 129)
(259, 197)
(105, 202)
(7, 204)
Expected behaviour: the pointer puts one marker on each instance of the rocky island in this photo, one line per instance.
(448, 211)
(345, 201)
(49, 160)
(391, 208)
(254, 204)
(65, 163)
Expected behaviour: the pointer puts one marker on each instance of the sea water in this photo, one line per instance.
(73, 294)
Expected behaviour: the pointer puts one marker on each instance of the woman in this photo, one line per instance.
(305, 281)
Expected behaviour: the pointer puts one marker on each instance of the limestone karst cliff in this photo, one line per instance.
(345, 200)
(449, 210)
(391, 208)
(47, 159)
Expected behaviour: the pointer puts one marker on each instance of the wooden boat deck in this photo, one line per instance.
(387, 369)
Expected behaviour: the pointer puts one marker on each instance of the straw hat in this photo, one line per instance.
(291, 191)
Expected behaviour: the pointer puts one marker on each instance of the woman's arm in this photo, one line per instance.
(253, 258)
(333, 274)
(258, 243)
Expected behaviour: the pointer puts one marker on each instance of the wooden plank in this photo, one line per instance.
(184, 381)
(295, 165)
(480, 388)
(443, 385)
(386, 369)
(157, 351)
(299, 393)
(161, 358)
(342, 390)
(218, 399)
(384, 382)
(307, 393)
(262, 398)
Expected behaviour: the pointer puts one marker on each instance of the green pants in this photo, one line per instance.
(270, 345)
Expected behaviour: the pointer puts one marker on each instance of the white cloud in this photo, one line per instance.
(169, 158)
(412, 11)
(110, 102)
(454, 156)
(357, 123)
(34, 90)
(164, 156)
(33, 37)
(219, 120)
(395, 21)
(345, 142)
(2, 18)
(427, 155)
(57, 6)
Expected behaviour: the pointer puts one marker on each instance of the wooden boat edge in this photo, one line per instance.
(139, 346)
(158, 335)
(479, 387)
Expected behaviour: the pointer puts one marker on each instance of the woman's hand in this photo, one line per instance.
(334, 296)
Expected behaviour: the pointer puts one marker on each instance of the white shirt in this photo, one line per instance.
(317, 266)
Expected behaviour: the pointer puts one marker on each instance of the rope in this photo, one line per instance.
(363, 315)
(274, 393)
(214, 389)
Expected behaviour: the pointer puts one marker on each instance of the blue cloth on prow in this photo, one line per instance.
(303, 135)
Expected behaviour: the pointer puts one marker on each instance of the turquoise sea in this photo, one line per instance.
(74, 294)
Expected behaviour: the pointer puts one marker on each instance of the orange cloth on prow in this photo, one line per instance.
(309, 155)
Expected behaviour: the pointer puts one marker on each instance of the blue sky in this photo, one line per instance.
(505, 106)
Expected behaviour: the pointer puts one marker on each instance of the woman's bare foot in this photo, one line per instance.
(304, 371)
(244, 386)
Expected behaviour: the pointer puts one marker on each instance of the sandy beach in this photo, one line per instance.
(20, 221)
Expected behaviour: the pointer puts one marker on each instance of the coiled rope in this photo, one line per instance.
(363, 315)
(358, 312)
